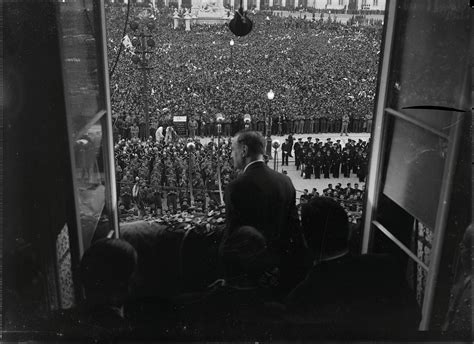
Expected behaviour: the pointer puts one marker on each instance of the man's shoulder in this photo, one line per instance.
(281, 178)
(250, 177)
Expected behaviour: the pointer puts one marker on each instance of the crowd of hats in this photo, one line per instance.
(349, 197)
(164, 167)
(315, 69)
(332, 158)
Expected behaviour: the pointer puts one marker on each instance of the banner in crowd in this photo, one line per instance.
(179, 123)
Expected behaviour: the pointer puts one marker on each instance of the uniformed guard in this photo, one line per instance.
(317, 163)
(308, 169)
(327, 164)
(346, 163)
(298, 148)
(336, 163)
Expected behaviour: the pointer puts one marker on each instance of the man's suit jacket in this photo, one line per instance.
(264, 199)
(357, 294)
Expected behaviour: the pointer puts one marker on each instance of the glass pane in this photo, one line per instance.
(81, 61)
(429, 66)
(90, 179)
(437, 119)
(415, 170)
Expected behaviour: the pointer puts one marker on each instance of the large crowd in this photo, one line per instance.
(149, 171)
(163, 176)
(322, 74)
(318, 71)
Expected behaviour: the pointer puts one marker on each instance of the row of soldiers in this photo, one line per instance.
(280, 125)
(152, 173)
(329, 158)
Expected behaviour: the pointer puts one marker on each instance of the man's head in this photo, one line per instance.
(247, 146)
(245, 253)
(326, 227)
(106, 271)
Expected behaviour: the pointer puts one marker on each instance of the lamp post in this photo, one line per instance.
(144, 45)
(231, 43)
(247, 120)
(190, 147)
(219, 120)
(275, 145)
(268, 125)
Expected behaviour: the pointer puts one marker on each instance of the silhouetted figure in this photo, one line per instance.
(244, 292)
(350, 294)
(106, 272)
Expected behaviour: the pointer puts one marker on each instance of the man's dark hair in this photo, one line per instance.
(325, 226)
(106, 269)
(254, 141)
(245, 252)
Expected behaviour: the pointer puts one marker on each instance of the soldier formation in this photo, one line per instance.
(152, 173)
(349, 197)
(328, 159)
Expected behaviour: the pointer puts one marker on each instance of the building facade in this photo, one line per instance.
(370, 5)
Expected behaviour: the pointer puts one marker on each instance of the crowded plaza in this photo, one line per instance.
(237, 171)
(321, 74)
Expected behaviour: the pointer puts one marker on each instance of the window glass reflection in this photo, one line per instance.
(90, 180)
(81, 63)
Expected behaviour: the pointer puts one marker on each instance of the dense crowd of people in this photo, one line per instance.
(318, 71)
(153, 173)
(349, 198)
(149, 171)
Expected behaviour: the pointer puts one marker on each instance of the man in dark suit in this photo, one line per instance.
(345, 291)
(290, 141)
(266, 200)
(298, 148)
(285, 152)
(317, 163)
(327, 164)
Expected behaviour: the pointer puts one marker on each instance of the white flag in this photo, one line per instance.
(127, 43)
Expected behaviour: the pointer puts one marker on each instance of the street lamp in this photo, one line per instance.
(268, 125)
(247, 120)
(275, 145)
(231, 43)
(219, 120)
(190, 147)
(144, 45)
